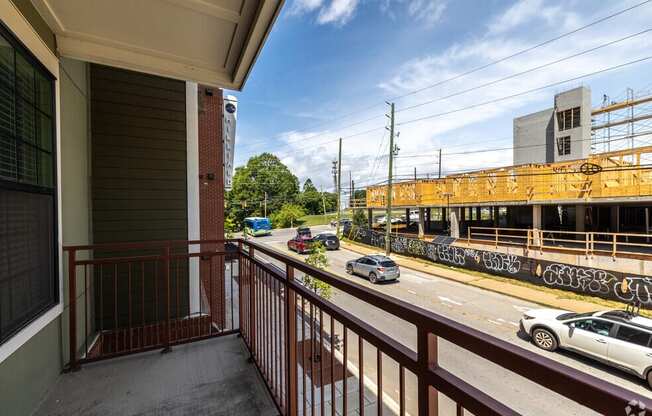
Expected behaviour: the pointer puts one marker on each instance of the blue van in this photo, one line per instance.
(257, 226)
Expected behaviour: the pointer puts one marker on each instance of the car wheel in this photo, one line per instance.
(372, 277)
(349, 269)
(649, 379)
(544, 339)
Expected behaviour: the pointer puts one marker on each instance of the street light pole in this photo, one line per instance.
(339, 187)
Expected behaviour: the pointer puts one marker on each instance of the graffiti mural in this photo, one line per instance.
(597, 282)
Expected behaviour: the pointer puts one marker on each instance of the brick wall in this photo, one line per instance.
(211, 197)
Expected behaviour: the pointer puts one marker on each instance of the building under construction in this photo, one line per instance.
(579, 173)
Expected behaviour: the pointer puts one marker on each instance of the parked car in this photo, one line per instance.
(328, 240)
(395, 220)
(376, 267)
(302, 242)
(343, 222)
(618, 338)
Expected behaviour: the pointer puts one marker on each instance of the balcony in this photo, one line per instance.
(223, 311)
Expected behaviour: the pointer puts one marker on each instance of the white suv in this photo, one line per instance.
(618, 338)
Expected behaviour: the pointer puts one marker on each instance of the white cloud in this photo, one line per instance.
(304, 6)
(338, 12)
(428, 12)
(524, 11)
(309, 154)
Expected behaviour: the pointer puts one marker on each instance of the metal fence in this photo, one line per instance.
(308, 349)
(588, 243)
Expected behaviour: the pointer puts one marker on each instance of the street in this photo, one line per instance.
(492, 313)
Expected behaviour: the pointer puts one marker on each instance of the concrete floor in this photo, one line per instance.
(211, 377)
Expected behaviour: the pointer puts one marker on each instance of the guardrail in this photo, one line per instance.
(588, 243)
(307, 348)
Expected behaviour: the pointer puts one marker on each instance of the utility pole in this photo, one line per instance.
(439, 164)
(415, 173)
(265, 204)
(353, 194)
(388, 215)
(339, 187)
(350, 190)
(323, 202)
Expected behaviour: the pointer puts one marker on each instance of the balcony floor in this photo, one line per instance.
(211, 377)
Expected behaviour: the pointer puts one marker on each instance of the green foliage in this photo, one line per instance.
(229, 227)
(312, 202)
(287, 216)
(359, 218)
(317, 258)
(263, 173)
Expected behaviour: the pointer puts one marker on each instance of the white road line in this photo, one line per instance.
(494, 322)
(412, 291)
(521, 308)
(443, 299)
(501, 320)
(514, 324)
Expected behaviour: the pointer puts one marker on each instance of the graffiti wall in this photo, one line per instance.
(597, 282)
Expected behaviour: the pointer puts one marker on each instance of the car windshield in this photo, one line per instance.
(388, 263)
(571, 315)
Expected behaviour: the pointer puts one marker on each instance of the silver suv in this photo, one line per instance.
(618, 338)
(376, 267)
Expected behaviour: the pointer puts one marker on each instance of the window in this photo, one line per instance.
(596, 326)
(633, 335)
(568, 119)
(563, 145)
(28, 264)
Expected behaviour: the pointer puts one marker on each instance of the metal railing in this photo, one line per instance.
(588, 243)
(134, 297)
(308, 349)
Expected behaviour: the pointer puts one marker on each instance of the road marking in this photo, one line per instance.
(494, 322)
(443, 299)
(514, 324)
(501, 320)
(412, 291)
(521, 308)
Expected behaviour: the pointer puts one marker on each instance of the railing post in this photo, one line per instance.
(252, 303)
(166, 263)
(291, 337)
(615, 245)
(240, 285)
(73, 365)
(427, 358)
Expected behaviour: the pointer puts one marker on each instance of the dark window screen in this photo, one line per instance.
(28, 278)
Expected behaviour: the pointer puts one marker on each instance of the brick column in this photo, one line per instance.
(211, 198)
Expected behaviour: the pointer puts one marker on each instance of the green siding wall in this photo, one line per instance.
(138, 131)
(27, 375)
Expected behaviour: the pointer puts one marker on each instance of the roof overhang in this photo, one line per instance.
(212, 42)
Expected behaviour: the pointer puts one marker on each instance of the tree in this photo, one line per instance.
(229, 227)
(262, 174)
(359, 218)
(317, 258)
(314, 201)
(287, 216)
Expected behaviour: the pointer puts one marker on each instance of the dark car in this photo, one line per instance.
(328, 240)
(302, 242)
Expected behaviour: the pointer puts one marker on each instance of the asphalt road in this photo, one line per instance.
(492, 313)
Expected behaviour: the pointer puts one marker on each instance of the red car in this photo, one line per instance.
(302, 242)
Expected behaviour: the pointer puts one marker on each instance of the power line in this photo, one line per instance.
(527, 71)
(487, 65)
(554, 84)
(523, 51)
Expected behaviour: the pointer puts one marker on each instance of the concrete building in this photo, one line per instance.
(557, 134)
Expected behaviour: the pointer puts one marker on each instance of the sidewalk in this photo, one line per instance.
(553, 298)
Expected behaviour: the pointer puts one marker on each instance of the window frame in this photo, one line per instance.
(19, 47)
(564, 146)
(620, 326)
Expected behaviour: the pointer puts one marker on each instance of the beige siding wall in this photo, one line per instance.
(139, 156)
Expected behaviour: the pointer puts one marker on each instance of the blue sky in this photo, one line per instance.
(329, 65)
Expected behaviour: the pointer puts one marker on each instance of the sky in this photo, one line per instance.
(329, 67)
